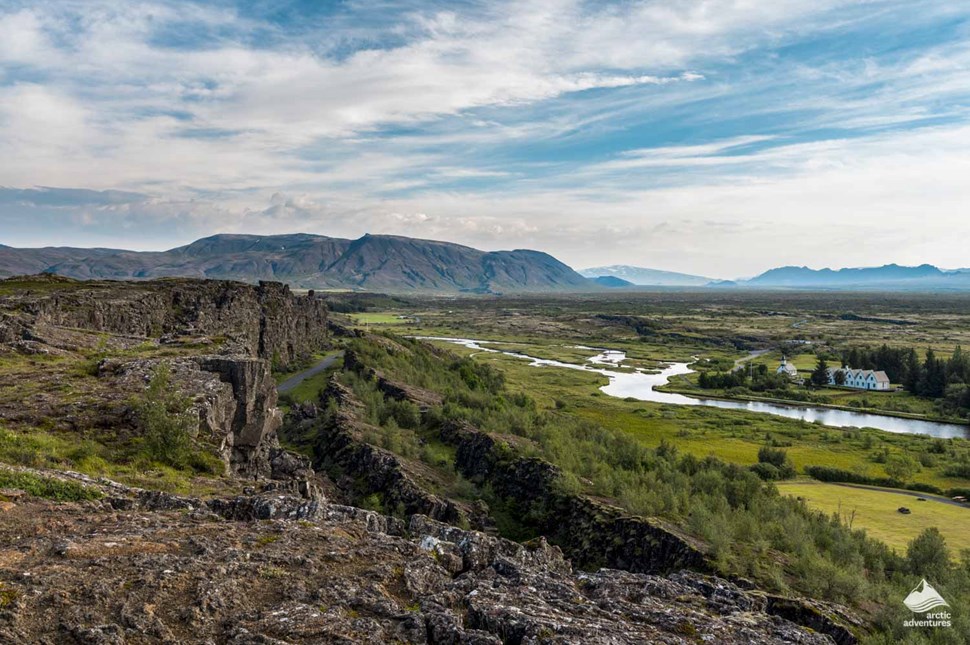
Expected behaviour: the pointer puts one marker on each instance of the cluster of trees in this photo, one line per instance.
(929, 377)
(757, 378)
(936, 377)
(773, 463)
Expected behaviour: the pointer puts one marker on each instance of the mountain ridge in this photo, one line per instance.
(371, 262)
(888, 276)
(642, 276)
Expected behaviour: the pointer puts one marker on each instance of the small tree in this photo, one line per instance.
(166, 420)
(927, 555)
(777, 458)
(820, 375)
(900, 467)
(840, 377)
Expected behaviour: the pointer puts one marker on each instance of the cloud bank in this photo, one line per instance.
(711, 136)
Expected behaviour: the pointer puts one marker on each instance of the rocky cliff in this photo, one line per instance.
(233, 397)
(264, 320)
(101, 343)
(594, 535)
(578, 524)
(339, 449)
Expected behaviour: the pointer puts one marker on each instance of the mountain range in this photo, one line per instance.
(392, 263)
(646, 277)
(372, 262)
(891, 277)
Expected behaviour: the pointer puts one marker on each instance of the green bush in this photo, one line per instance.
(773, 463)
(167, 421)
(170, 426)
(48, 487)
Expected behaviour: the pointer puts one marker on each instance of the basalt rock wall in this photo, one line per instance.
(591, 533)
(236, 403)
(264, 320)
(338, 445)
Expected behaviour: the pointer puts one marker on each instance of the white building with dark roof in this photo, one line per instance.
(860, 379)
(786, 368)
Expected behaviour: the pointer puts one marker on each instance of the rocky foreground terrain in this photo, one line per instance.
(139, 567)
(268, 548)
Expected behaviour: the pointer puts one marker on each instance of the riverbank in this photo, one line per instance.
(641, 386)
(705, 394)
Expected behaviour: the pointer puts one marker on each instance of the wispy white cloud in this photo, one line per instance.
(691, 133)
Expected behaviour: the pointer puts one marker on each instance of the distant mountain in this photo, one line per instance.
(373, 263)
(890, 277)
(21, 261)
(647, 277)
(612, 282)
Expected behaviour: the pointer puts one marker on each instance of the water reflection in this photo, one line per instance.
(640, 385)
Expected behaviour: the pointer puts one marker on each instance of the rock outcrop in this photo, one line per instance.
(574, 522)
(218, 340)
(339, 447)
(235, 400)
(592, 534)
(265, 568)
(264, 320)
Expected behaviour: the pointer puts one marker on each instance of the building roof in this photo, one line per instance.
(878, 375)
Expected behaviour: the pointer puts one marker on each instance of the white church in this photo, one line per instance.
(860, 379)
(786, 368)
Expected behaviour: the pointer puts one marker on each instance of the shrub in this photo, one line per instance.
(778, 459)
(927, 555)
(901, 467)
(166, 420)
(766, 471)
(48, 487)
(961, 470)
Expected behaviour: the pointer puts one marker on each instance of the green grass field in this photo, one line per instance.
(732, 435)
(378, 318)
(875, 511)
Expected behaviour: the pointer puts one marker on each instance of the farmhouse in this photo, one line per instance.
(860, 379)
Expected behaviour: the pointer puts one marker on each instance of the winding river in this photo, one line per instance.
(640, 385)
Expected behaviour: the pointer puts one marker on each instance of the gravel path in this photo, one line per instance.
(290, 383)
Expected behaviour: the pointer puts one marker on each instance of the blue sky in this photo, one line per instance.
(719, 137)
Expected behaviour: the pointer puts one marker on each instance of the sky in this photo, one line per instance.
(715, 137)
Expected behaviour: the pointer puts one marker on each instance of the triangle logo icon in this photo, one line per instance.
(923, 598)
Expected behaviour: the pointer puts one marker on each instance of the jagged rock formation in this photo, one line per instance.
(268, 568)
(236, 402)
(576, 523)
(592, 534)
(233, 392)
(339, 445)
(266, 320)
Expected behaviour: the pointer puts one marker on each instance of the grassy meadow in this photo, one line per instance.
(877, 511)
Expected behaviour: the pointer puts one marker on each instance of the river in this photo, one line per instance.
(640, 385)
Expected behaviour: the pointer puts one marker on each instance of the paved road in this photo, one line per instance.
(290, 383)
(896, 491)
(738, 364)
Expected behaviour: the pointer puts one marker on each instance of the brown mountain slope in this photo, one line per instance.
(373, 262)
